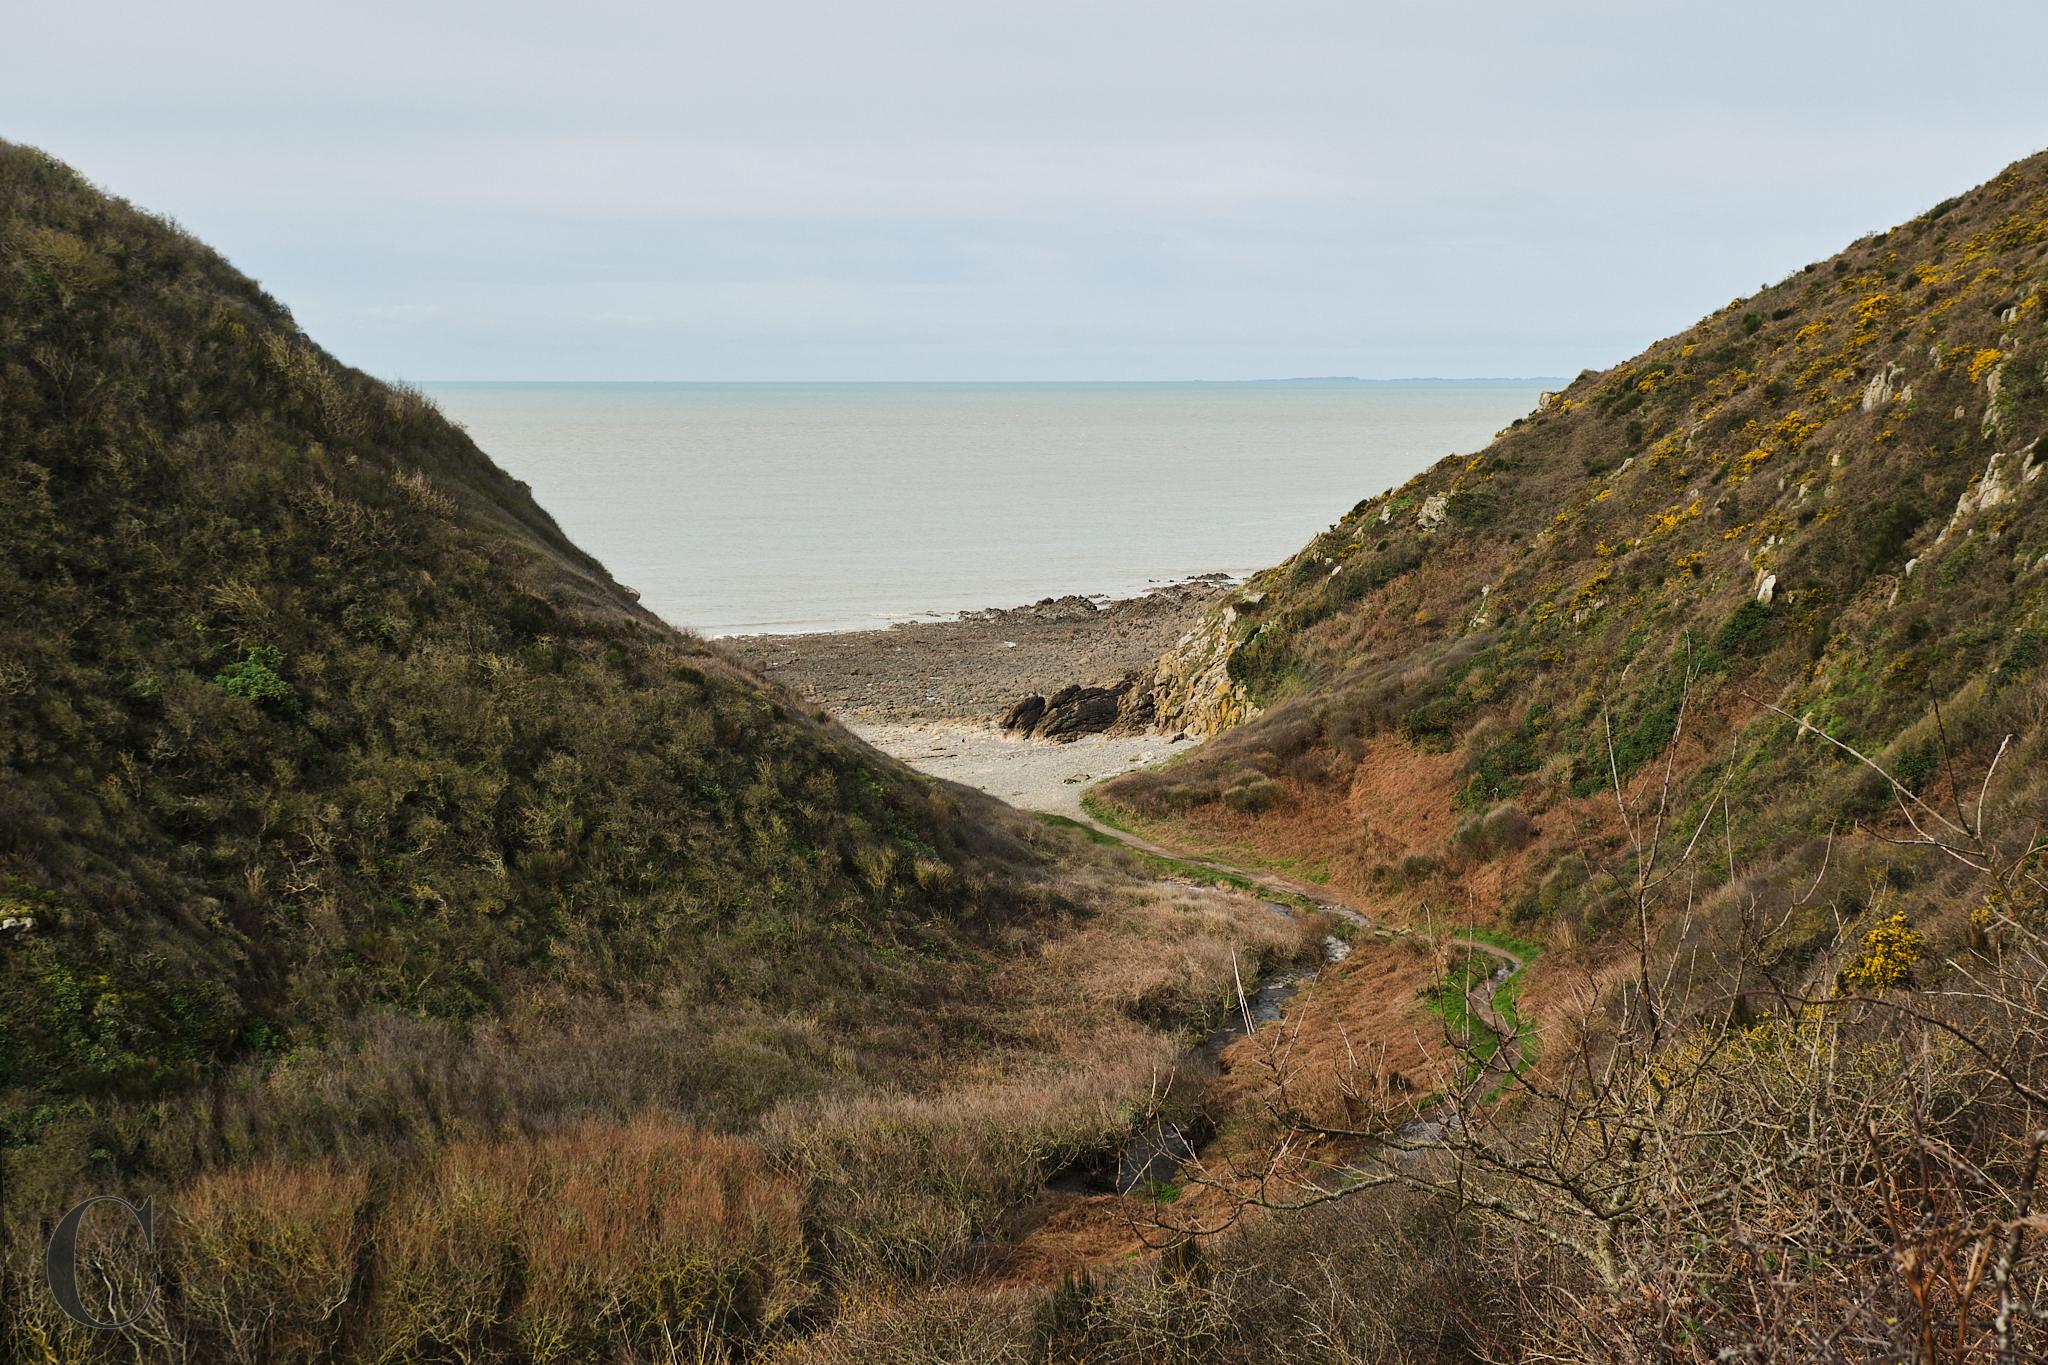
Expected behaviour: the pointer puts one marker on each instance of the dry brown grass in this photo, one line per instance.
(266, 1258)
(648, 1235)
(1368, 1011)
(1168, 952)
(1090, 1033)
(604, 1237)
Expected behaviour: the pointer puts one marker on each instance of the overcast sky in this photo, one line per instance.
(894, 189)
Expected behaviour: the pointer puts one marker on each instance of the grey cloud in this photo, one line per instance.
(1060, 190)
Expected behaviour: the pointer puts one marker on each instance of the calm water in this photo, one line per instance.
(786, 507)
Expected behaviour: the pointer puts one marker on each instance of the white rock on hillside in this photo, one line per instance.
(1879, 390)
(1990, 488)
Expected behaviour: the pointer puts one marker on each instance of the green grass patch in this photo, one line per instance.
(1181, 868)
(1121, 817)
(1450, 1000)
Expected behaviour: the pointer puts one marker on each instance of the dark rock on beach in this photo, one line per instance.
(1023, 718)
(1075, 710)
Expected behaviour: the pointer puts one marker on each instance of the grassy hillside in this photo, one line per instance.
(309, 708)
(472, 966)
(1722, 678)
(321, 750)
(1825, 498)
(479, 970)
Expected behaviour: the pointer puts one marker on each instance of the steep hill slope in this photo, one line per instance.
(1825, 498)
(307, 708)
(1720, 682)
(471, 966)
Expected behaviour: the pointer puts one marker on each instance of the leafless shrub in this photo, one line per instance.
(1750, 1170)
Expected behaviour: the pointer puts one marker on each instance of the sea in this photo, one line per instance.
(768, 508)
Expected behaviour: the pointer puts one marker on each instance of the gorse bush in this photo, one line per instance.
(1890, 950)
(1826, 497)
(1741, 644)
(484, 971)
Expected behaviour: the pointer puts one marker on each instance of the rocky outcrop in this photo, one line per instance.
(1998, 483)
(1186, 690)
(1025, 715)
(975, 667)
(1190, 685)
(1883, 386)
(1075, 710)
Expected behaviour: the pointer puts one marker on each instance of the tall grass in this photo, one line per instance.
(601, 1241)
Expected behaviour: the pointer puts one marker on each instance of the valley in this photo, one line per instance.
(1589, 903)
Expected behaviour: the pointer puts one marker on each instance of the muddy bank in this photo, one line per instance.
(976, 667)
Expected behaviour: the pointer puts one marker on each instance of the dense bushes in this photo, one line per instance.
(307, 711)
(603, 1239)
(1489, 834)
(1815, 498)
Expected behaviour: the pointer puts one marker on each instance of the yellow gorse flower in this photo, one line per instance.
(1889, 952)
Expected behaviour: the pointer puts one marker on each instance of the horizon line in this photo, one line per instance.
(1286, 379)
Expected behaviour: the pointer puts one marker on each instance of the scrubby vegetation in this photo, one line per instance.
(471, 965)
(311, 711)
(1763, 604)
(479, 970)
(1827, 497)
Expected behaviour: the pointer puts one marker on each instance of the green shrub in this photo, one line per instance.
(1482, 836)
(2029, 650)
(1253, 794)
(1497, 772)
(1438, 719)
(255, 677)
(1744, 633)
(1885, 531)
(1915, 768)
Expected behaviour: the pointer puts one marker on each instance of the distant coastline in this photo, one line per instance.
(430, 385)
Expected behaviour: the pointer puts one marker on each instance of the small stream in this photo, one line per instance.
(1433, 1128)
(1157, 1151)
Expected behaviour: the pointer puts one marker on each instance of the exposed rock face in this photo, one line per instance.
(1075, 710)
(1434, 509)
(1188, 690)
(1025, 715)
(1190, 685)
(1881, 387)
(1994, 486)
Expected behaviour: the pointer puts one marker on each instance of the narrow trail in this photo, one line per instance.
(1094, 1229)
(1478, 998)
